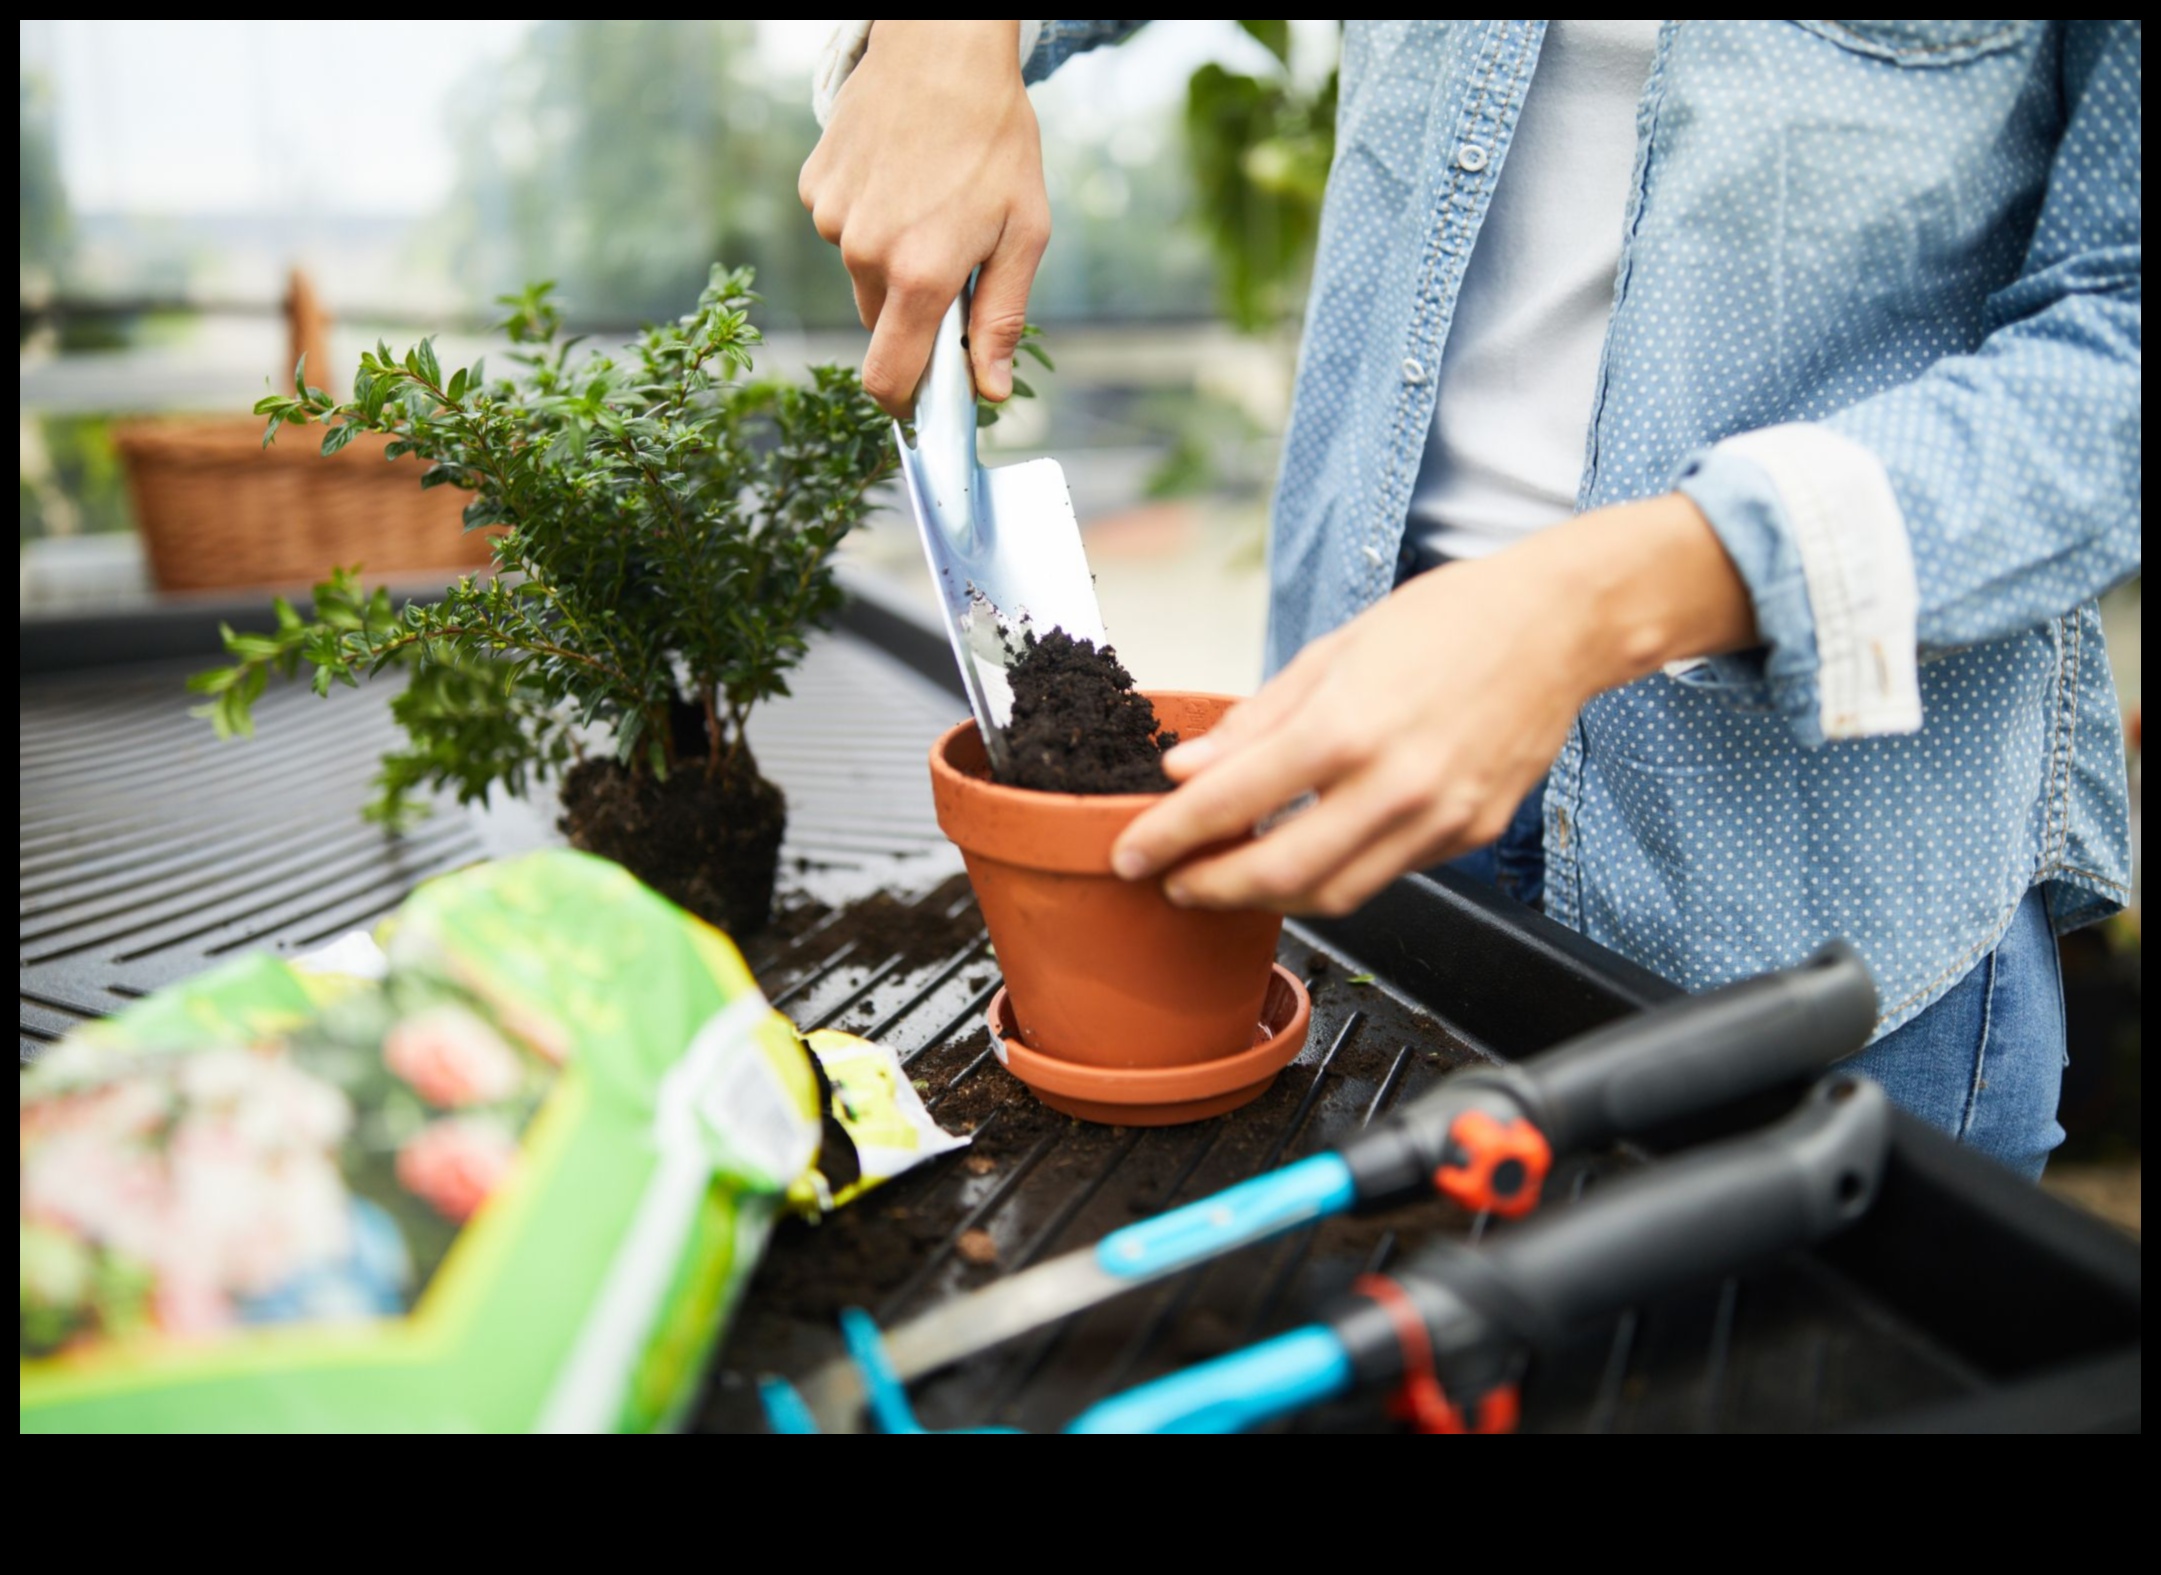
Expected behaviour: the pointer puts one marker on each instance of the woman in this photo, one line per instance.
(1736, 419)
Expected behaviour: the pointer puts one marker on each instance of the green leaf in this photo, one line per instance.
(338, 436)
(1275, 37)
(1360, 978)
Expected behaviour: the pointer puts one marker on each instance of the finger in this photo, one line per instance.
(828, 219)
(1000, 309)
(869, 289)
(1251, 719)
(1289, 867)
(907, 323)
(1414, 846)
(1227, 802)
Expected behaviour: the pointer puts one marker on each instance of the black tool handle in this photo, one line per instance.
(1692, 1055)
(1705, 1051)
(1682, 1221)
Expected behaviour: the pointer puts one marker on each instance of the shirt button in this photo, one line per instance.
(1413, 372)
(1471, 157)
(1373, 554)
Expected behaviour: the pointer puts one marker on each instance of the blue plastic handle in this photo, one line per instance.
(1232, 1392)
(785, 1410)
(1251, 1211)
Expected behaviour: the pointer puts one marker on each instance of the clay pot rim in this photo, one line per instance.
(1051, 803)
(1159, 1090)
(1069, 833)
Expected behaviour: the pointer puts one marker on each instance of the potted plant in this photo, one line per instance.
(1118, 1006)
(664, 538)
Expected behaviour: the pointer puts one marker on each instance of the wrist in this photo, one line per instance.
(1654, 585)
(978, 45)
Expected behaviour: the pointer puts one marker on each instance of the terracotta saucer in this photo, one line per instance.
(1163, 1096)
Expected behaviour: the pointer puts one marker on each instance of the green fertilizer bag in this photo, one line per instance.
(508, 1171)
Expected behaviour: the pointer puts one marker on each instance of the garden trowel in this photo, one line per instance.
(1004, 548)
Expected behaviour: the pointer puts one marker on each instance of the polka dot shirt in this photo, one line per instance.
(1913, 242)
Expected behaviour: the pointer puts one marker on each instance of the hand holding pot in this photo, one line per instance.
(930, 165)
(1422, 723)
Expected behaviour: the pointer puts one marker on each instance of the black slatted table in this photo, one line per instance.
(149, 851)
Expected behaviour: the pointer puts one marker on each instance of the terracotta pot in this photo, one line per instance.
(1100, 971)
(1161, 1096)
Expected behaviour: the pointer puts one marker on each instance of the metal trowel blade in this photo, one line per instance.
(1003, 545)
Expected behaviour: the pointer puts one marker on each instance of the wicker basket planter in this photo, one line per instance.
(217, 509)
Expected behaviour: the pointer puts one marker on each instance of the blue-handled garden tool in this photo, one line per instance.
(1484, 1138)
(1453, 1329)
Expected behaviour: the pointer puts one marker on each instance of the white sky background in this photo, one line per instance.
(171, 117)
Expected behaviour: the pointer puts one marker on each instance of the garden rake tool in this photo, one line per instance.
(1004, 548)
(1454, 1328)
(1484, 1138)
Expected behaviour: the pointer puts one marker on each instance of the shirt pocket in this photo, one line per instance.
(1923, 44)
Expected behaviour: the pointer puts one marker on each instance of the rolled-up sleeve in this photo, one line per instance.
(1058, 42)
(1997, 490)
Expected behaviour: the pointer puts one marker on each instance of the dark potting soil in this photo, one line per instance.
(1079, 726)
(918, 928)
(712, 847)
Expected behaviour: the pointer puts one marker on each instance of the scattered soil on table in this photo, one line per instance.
(1079, 726)
(918, 928)
(712, 847)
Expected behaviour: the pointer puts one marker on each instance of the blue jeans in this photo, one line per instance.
(1984, 1064)
(1515, 865)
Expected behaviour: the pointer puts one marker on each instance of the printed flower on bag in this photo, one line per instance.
(452, 1058)
(183, 1182)
(535, 1029)
(453, 1165)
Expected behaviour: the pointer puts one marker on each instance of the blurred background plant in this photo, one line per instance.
(1260, 144)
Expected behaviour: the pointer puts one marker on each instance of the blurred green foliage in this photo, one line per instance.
(620, 157)
(1260, 148)
(71, 480)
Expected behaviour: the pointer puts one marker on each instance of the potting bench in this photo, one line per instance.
(1967, 1301)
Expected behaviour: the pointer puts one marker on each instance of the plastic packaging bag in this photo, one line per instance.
(516, 1180)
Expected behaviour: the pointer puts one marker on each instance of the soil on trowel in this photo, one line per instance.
(1079, 726)
(710, 846)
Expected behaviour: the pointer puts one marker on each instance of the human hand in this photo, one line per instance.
(932, 164)
(1421, 724)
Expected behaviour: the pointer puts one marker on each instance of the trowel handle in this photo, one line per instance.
(945, 425)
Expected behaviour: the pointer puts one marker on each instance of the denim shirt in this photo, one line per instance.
(1877, 314)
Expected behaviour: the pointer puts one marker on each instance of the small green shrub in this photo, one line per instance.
(667, 527)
